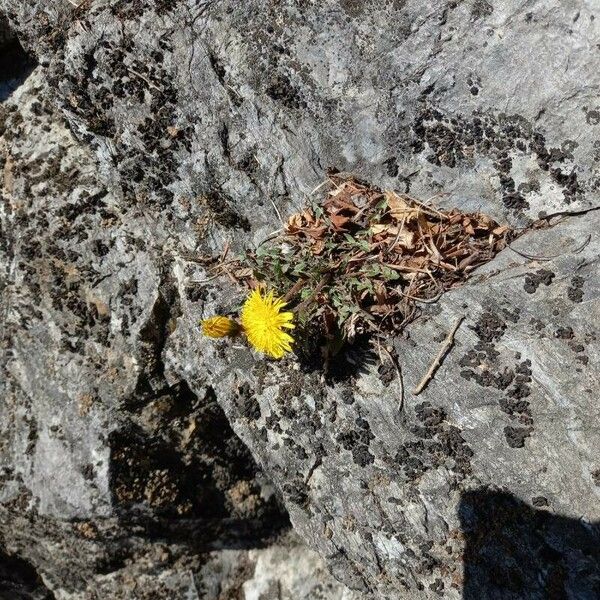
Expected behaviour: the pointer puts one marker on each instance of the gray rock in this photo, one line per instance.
(252, 102)
(113, 481)
(398, 491)
(286, 570)
(209, 121)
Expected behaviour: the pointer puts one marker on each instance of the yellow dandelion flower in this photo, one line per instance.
(264, 324)
(218, 327)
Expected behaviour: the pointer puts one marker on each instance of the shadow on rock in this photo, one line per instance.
(515, 551)
(15, 66)
(179, 471)
(340, 362)
(20, 581)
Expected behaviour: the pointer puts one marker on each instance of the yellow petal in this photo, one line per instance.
(264, 323)
(218, 327)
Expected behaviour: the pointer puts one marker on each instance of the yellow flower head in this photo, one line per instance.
(264, 324)
(218, 327)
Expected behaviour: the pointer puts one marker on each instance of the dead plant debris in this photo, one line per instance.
(439, 357)
(360, 260)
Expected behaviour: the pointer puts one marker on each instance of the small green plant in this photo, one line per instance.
(360, 260)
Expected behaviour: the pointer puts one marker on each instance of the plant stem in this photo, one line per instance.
(322, 283)
(294, 290)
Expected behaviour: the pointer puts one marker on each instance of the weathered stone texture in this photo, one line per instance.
(210, 120)
(114, 483)
(388, 493)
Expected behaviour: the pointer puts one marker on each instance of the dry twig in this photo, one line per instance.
(576, 250)
(439, 358)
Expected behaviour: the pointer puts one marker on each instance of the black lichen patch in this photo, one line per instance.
(540, 501)
(489, 327)
(474, 84)
(392, 167)
(481, 366)
(165, 6)
(564, 333)
(55, 240)
(223, 212)
(196, 293)
(291, 389)
(357, 441)
(386, 372)
(436, 443)
(247, 403)
(516, 436)
(592, 116)
(481, 9)
(487, 377)
(576, 347)
(117, 73)
(534, 280)
(128, 9)
(437, 586)
(514, 403)
(354, 8)
(281, 89)
(429, 416)
(575, 290)
(296, 492)
(453, 140)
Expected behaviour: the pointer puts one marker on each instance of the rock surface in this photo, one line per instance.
(255, 100)
(209, 121)
(399, 491)
(114, 483)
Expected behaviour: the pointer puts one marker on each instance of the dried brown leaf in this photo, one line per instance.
(315, 232)
(381, 309)
(243, 273)
(500, 230)
(339, 221)
(397, 236)
(380, 292)
(401, 209)
(318, 247)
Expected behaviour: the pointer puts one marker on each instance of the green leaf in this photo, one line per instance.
(389, 274)
(300, 268)
(371, 270)
(366, 284)
(305, 293)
